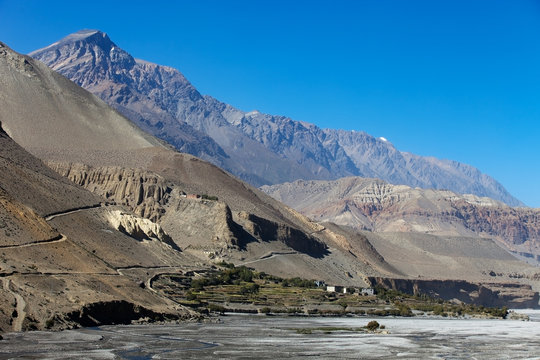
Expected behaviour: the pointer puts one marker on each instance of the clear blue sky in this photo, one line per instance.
(452, 79)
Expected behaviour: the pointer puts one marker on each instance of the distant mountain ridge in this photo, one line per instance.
(259, 148)
(374, 205)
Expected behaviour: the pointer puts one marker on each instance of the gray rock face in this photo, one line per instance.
(259, 148)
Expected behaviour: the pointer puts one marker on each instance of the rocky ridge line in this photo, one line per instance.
(259, 148)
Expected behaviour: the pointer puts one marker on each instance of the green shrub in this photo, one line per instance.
(209, 197)
(249, 289)
(199, 284)
(404, 310)
(226, 264)
(438, 310)
(49, 323)
(298, 282)
(372, 325)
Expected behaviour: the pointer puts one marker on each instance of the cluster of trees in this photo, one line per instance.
(228, 276)
(209, 197)
(232, 275)
(298, 282)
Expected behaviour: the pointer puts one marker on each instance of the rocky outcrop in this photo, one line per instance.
(259, 148)
(511, 295)
(139, 228)
(111, 313)
(144, 192)
(266, 230)
(205, 225)
(515, 225)
(195, 223)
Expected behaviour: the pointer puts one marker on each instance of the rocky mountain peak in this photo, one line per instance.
(142, 91)
(259, 148)
(78, 53)
(91, 36)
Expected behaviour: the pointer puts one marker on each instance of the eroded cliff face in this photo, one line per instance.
(266, 230)
(512, 295)
(515, 225)
(202, 225)
(139, 228)
(374, 205)
(145, 193)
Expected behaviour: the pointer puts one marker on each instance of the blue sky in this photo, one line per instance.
(453, 79)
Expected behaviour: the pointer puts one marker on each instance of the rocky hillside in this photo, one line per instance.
(259, 148)
(374, 205)
(203, 214)
(207, 213)
(55, 271)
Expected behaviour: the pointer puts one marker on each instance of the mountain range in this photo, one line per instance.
(260, 148)
(93, 209)
(376, 206)
(72, 255)
(63, 262)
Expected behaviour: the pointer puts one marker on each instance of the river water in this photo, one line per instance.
(269, 337)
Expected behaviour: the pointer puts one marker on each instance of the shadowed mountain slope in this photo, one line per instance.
(259, 148)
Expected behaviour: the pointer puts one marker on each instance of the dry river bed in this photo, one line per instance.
(274, 337)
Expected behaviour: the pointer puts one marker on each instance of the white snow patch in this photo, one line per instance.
(253, 113)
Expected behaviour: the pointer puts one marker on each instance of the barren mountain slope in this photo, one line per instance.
(259, 148)
(212, 230)
(60, 110)
(153, 96)
(55, 271)
(245, 224)
(375, 205)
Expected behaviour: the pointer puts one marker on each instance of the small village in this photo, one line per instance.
(350, 290)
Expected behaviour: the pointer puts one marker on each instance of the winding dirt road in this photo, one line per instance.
(55, 239)
(21, 305)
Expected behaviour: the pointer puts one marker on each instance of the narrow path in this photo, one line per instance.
(270, 255)
(148, 281)
(71, 211)
(122, 268)
(21, 305)
(148, 285)
(318, 231)
(56, 239)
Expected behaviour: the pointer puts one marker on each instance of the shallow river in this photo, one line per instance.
(268, 337)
